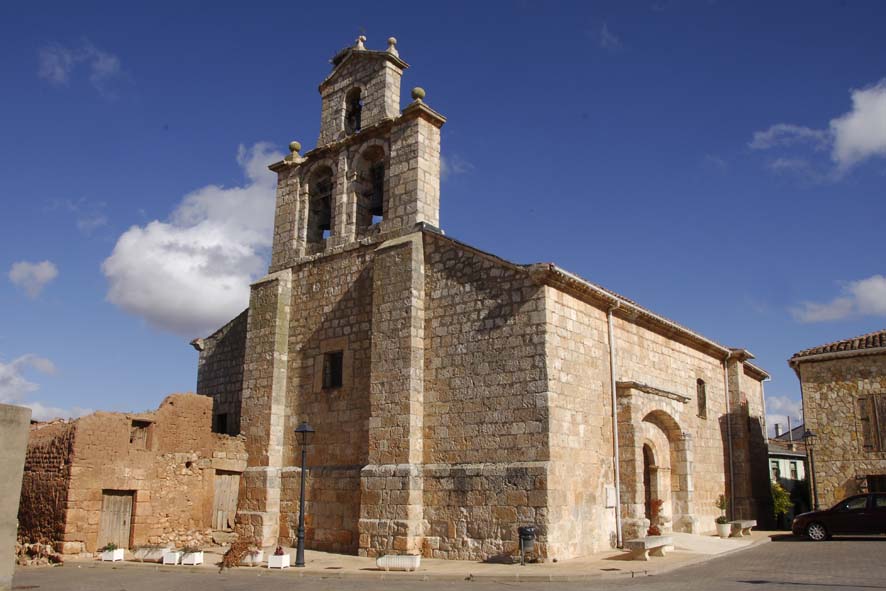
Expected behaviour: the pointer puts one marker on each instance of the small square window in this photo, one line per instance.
(332, 369)
(220, 423)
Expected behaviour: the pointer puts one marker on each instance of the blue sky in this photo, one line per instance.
(723, 164)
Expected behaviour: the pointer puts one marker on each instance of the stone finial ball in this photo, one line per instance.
(294, 146)
(418, 93)
(392, 41)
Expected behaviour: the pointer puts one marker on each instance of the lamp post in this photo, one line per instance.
(809, 439)
(303, 432)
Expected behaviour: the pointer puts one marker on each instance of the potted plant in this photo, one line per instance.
(279, 560)
(655, 506)
(172, 556)
(192, 555)
(111, 553)
(724, 528)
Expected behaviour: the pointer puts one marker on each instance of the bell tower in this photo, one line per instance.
(375, 172)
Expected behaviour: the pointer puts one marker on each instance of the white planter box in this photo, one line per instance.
(148, 554)
(278, 561)
(193, 558)
(172, 557)
(723, 530)
(398, 562)
(113, 555)
(253, 558)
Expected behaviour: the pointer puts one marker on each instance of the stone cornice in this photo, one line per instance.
(623, 389)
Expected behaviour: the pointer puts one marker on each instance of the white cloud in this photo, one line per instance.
(785, 134)
(32, 277)
(607, 39)
(865, 297)
(455, 165)
(190, 274)
(778, 409)
(89, 223)
(58, 62)
(851, 138)
(861, 133)
(42, 412)
(89, 214)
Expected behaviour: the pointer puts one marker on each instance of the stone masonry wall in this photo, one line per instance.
(580, 427)
(646, 356)
(44, 501)
(833, 392)
(486, 416)
(220, 370)
(333, 300)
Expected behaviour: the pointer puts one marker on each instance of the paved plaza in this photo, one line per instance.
(783, 563)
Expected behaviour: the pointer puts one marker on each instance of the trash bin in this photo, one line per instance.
(527, 535)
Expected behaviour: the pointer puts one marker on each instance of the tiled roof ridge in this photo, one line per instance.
(871, 340)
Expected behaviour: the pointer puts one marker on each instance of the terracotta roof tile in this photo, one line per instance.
(872, 340)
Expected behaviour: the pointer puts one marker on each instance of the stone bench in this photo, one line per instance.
(656, 545)
(742, 527)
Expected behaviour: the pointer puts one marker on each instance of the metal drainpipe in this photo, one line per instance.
(618, 533)
(729, 436)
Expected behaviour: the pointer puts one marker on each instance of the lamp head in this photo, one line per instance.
(303, 432)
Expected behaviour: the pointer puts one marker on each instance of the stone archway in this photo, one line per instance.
(655, 460)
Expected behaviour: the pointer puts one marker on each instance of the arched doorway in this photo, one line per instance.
(648, 484)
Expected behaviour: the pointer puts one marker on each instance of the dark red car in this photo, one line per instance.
(858, 514)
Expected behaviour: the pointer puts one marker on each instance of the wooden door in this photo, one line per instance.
(116, 519)
(227, 485)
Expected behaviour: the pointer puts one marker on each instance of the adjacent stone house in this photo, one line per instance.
(456, 395)
(130, 479)
(844, 404)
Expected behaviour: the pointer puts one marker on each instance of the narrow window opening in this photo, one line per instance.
(138, 434)
(776, 473)
(702, 399)
(353, 111)
(320, 210)
(793, 467)
(332, 369)
(371, 188)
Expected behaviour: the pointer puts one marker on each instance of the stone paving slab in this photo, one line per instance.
(689, 549)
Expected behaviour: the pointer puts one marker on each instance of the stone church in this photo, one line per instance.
(456, 395)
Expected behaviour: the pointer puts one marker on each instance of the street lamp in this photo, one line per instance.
(303, 433)
(809, 438)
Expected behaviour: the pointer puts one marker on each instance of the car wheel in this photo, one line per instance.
(816, 532)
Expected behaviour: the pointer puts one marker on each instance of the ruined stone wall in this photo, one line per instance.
(172, 476)
(485, 404)
(220, 371)
(44, 500)
(580, 427)
(837, 397)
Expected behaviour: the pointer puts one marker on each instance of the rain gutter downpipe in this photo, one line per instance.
(615, 451)
(729, 436)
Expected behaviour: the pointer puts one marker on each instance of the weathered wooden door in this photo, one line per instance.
(227, 485)
(116, 520)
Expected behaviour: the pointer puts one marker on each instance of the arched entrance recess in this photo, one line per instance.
(655, 457)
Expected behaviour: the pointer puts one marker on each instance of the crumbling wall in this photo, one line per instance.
(43, 508)
(169, 469)
(220, 372)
